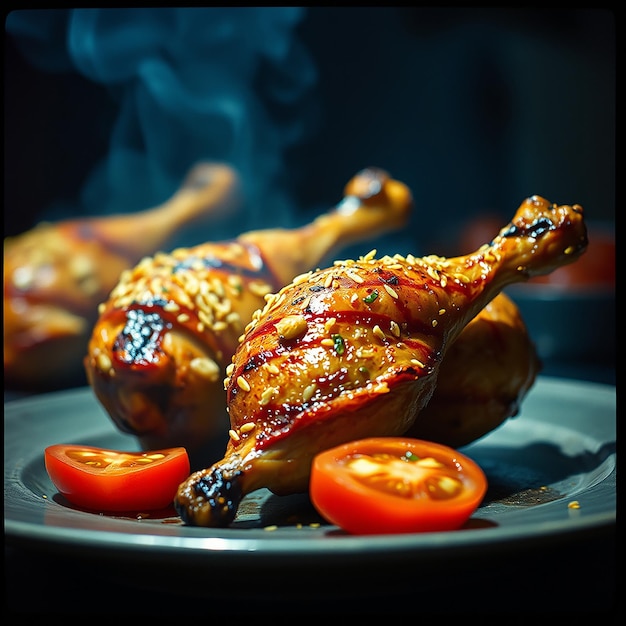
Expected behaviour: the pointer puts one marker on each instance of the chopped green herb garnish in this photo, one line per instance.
(371, 297)
(340, 346)
(409, 456)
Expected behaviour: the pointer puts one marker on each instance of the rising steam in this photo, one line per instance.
(190, 84)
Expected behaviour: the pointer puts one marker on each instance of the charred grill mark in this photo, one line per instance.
(537, 229)
(392, 280)
(221, 495)
(140, 340)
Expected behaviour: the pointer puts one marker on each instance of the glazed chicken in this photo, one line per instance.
(354, 350)
(56, 274)
(157, 356)
(485, 375)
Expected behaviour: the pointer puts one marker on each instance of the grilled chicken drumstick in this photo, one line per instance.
(158, 352)
(354, 350)
(56, 274)
(485, 375)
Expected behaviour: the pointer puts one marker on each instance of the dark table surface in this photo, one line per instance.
(568, 577)
(575, 579)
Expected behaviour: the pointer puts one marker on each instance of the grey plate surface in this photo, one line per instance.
(561, 448)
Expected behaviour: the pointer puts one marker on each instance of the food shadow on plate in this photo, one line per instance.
(532, 475)
(550, 475)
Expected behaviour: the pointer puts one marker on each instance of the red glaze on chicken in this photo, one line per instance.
(354, 351)
(159, 349)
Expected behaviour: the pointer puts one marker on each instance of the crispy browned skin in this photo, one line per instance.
(159, 349)
(354, 351)
(56, 274)
(484, 377)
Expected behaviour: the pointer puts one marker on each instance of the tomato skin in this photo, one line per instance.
(123, 481)
(360, 508)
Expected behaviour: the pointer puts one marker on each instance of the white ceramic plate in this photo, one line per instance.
(560, 449)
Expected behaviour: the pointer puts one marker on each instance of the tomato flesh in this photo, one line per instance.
(105, 480)
(395, 485)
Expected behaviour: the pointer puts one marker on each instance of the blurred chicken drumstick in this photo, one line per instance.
(56, 274)
(158, 352)
(354, 351)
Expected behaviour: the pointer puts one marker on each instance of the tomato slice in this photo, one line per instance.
(111, 480)
(386, 485)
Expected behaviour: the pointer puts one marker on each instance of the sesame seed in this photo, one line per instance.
(301, 278)
(291, 326)
(243, 384)
(103, 362)
(308, 392)
(233, 435)
(268, 394)
(369, 256)
(329, 323)
(272, 368)
(355, 277)
(390, 291)
(432, 272)
(247, 427)
(205, 318)
(205, 367)
(378, 332)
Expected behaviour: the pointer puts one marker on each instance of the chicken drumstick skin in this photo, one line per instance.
(354, 350)
(483, 379)
(158, 352)
(56, 274)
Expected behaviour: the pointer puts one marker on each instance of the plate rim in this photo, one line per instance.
(220, 543)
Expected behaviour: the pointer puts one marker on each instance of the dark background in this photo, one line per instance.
(475, 109)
